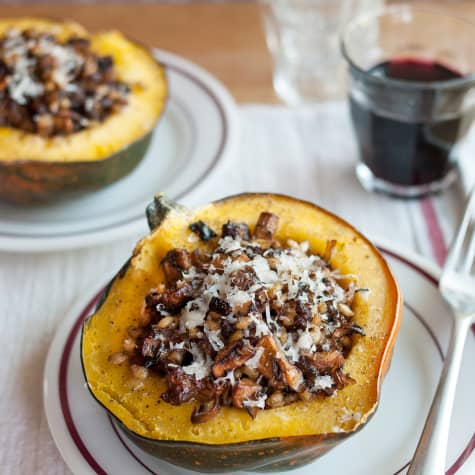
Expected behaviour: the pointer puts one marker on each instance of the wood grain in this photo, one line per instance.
(225, 38)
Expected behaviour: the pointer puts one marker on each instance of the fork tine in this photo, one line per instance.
(470, 234)
(456, 255)
(470, 258)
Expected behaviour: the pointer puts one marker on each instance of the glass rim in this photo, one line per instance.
(455, 83)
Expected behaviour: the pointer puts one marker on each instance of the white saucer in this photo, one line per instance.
(90, 442)
(198, 129)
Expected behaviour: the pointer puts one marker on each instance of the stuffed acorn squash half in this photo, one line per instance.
(77, 110)
(252, 333)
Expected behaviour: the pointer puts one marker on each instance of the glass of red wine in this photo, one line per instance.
(412, 97)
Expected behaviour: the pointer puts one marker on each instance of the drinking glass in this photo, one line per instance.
(412, 97)
(303, 38)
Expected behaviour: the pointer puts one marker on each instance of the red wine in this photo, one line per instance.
(408, 149)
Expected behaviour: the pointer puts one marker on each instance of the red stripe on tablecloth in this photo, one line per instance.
(434, 231)
(436, 236)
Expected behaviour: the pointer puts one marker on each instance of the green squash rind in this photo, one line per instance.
(158, 210)
(264, 455)
(28, 181)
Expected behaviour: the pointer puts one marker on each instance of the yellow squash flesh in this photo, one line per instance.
(133, 65)
(35, 168)
(323, 420)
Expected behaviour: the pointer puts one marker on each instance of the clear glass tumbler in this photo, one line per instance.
(412, 97)
(303, 38)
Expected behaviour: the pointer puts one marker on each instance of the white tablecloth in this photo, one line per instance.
(308, 153)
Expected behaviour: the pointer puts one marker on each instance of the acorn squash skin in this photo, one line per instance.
(36, 169)
(27, 181)
(260, 444)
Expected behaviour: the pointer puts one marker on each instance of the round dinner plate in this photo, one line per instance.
(198, 129)
(90, 442)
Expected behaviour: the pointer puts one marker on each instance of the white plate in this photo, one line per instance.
(90, 443)
(198, 129)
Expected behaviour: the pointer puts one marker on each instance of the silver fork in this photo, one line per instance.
(457, 286)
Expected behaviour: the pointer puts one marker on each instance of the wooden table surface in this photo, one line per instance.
(226, 38)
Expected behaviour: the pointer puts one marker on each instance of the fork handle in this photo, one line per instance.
(430, 455)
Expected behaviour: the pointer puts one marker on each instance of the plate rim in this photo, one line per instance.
(410, 258)
(229, 113)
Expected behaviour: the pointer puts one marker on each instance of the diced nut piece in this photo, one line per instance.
(213, 325)
(128, 345)
(175, 261)
(306, 395)
(139, 372)
(283, 335)
(276, 399)
(245, 390)
(236, 336)
(322, 307)
(167, 322)
(200, 259)
(175, 299)
(287, 314)
(273, 262)
(250, 372)
(242, 309)
(243, 323)
(231, 357)
(345, 310)
(244, 278)
(176, 356)
(266, 226)
(290, 398)
(118, 358)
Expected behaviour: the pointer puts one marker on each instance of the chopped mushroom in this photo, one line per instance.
(203, 230)
(326, 362)
(292, 375)
(232, 357)
(238, 324)
(236, 231)
(55, 87)
(181, 387)
(266, 226)
(206, 411)
(245, 390)
(175, 299)
(174, 263)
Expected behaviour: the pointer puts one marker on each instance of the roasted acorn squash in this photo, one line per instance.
(279, 438)
(34, 168)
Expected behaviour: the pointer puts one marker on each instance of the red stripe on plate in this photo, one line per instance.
(66, 410)
(463, 457)
(63, 388)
